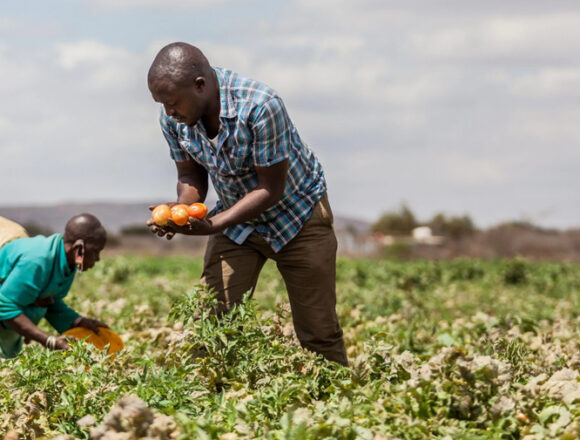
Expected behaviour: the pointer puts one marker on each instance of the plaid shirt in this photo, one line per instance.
(255, 131)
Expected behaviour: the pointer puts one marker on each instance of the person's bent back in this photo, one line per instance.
(36, 275)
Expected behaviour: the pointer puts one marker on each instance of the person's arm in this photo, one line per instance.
(21, 289)
(192, 178)
(90, 323)
(62, 318)
(268, 192)
(22, 325)
(192, 184)
(270, 188)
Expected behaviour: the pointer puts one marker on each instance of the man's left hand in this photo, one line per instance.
(90, 323)
(197, 227)
(193, 227)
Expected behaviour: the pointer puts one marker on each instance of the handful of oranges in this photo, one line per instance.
(178, 214)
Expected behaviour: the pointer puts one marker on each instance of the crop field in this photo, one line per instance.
(461, 349)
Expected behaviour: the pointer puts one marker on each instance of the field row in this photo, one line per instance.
(451, 350)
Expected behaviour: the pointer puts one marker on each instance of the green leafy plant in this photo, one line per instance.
(456, 349)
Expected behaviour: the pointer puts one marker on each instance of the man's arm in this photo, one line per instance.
(191, 182)
(62, 318)
(269, 190)
(22, 325)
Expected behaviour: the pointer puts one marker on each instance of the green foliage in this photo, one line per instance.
(398, 251)
(516, 272)
(457, 349)
(454, 227)
(402, 221)
(397, 222)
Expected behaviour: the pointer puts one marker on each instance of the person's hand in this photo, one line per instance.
(58, 343)
(90, 323)
(161, 230)
(192, 227)
(195, 227)
(61, 343)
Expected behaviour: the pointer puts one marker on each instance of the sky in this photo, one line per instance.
(456, 106)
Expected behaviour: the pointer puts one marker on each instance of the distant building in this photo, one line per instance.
(424, 235)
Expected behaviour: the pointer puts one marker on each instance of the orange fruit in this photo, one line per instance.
(197, 210)
(179, 214)
(161, 215)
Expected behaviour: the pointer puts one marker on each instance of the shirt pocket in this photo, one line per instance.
(235, 162)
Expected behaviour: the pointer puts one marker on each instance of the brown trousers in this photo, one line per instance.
(307, 265)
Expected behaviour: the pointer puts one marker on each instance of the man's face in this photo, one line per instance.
(185, 104)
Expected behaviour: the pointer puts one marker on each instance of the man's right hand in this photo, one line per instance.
(61, 343)
(192, 181)
(161, 230)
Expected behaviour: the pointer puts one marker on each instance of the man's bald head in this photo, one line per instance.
(182, 80)
(176, 65)
(84, 227)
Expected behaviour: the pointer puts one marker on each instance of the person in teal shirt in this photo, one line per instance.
(35, 276)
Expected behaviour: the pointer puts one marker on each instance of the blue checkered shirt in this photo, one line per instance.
(255, 131)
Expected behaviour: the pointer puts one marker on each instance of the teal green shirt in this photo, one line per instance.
(33, 268)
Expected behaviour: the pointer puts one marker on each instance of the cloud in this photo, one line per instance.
(6, 24)
(535, 38)
(450, 105)
(444, 108)
(89, 107)
(551, 82)
(158, 4)
(3, 125)
(104, 67)
(71, 55)
(469, 170)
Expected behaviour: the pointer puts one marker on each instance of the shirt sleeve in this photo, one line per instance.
(21, 288)
(271, 131)
(169, 130)
(60, 316)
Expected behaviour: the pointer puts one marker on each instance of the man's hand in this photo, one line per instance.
(161, 230)
(61, 343)
(192, 227)
(195, 227)
(90, 323)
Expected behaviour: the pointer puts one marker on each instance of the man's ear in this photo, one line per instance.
(79, 246)
(79, 249)
(199, 82)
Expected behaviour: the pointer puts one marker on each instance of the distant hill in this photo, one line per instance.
(114, 216)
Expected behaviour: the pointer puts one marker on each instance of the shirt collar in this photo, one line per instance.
(228, 106)
(63, 266)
